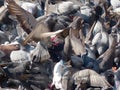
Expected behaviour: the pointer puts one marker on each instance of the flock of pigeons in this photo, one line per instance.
(60, 45)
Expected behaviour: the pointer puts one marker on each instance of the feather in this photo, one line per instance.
(67, 47)
(41, 34)
(86, 11)
(77, 61)
(40, 53)
(57, 74)
(97, 28)
(3, 11)
(93, 79)
(30, 7)
(75, 42)
(107, 58)
(67, 7)
(117, 11)
(115, 3)
(19, 56)
(89, 34)
(26, 19)
(37, 30)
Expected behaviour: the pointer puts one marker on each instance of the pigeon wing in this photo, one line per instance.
(26, 19)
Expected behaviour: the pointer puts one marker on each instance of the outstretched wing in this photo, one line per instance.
(26, 19)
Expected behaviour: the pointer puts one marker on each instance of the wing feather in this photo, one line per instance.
(77, 44)
(26, 19)
(93, 78)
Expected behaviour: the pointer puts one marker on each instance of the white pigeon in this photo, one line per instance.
(67, 7)
(57, 74)
(98, 27)
(19, 56)
(86, 10)
(116, 6)
(117, 11)
(115, 3)
(30, 7)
